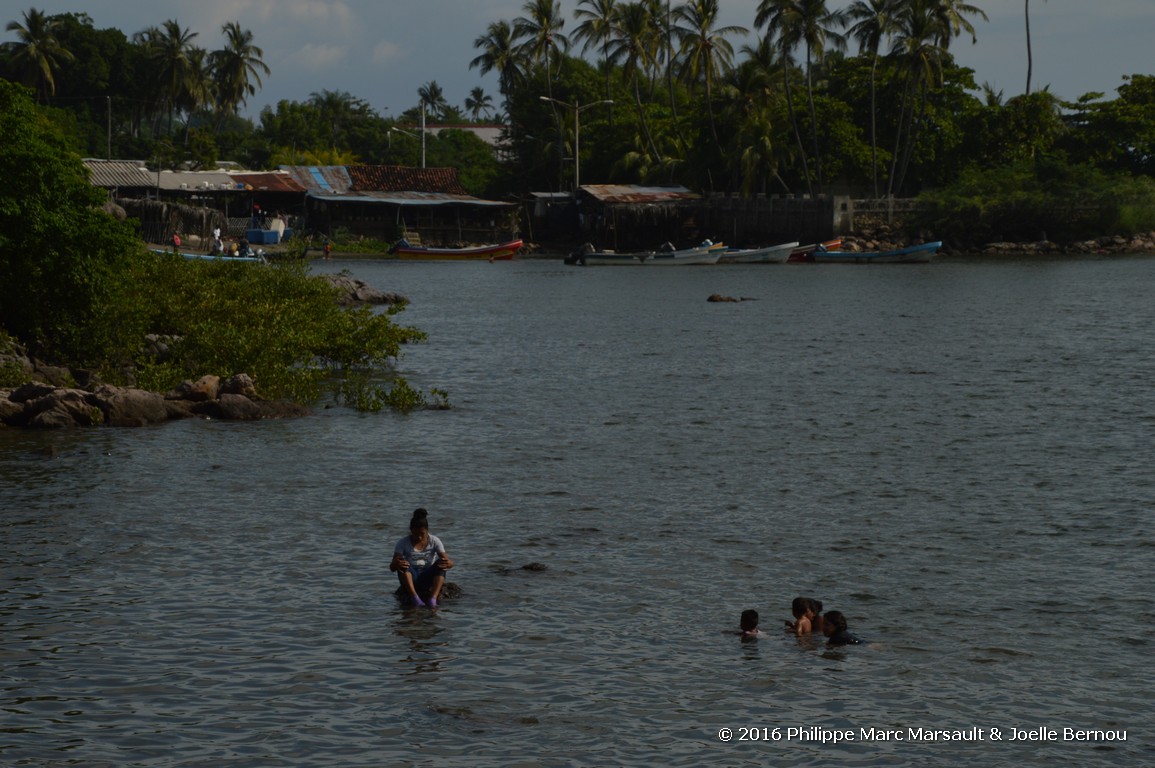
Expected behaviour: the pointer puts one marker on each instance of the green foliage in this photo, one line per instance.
(60, 254)
(1043, 199)
(277, 323)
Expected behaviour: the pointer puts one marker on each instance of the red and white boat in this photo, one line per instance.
(806, 252)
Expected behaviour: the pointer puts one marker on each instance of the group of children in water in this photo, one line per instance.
(808, 619)
(420, 562)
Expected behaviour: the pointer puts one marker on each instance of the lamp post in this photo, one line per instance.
(577, 132)
(407, 133)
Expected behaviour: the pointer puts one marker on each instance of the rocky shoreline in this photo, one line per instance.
(884, 239)
(44, 405)
(54, 397)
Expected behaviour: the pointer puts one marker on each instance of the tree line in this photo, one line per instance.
(866, 100)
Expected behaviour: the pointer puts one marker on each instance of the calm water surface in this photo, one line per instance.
(958, 456)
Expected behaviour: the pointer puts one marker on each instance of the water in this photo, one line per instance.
(958, 456)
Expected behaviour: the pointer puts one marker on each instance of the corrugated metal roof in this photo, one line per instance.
(272, 181)
(390, 184)
(326, 179)
(406, 198)
(111, 174)
(637, 195)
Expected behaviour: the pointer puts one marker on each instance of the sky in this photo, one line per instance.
(382, 51)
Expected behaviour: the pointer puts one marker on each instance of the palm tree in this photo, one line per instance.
(499, 53)
(200, 90)
(433, 99)
(1030, 61)
(336, 109)
(745, 104)
(872, 22)
(478, 103)
(919, 47)
(706, 53)
(952, 15)
(169, 49)
(237, 67)
(541, 35)
(631, 46)
(597, 28)
(806, 23)
(37, 53)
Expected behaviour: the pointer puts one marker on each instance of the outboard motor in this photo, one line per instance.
(578, 256)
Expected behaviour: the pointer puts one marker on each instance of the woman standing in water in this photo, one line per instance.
(420, 562)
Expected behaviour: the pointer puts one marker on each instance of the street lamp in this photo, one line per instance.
(577, 131)
(407, 133)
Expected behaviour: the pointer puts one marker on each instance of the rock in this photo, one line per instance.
(61, 408)
(203, 389)
(130, 407)
(31, 391)
(240, 384)
(353, 291)
(9, 409)
(231, 408)
(37, 404)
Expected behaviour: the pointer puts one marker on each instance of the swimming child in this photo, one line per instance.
(803, 610)
(834, 627)
(748, 624)
(816, 619)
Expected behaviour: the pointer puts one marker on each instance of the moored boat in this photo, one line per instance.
(803, 253)
(772, 254)
(707, 253)
(256, 257)
(492, 252)
(913, 254)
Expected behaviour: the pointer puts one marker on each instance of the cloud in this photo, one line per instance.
(319, 56)
(386, 52)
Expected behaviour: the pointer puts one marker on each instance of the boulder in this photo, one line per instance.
(237, 408)
(240, 384)
(61, 408)
(9, 409)
(203, 389)
(130, 407)
(350, 290)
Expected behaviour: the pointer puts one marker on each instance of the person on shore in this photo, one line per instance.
(748, 625)
(420, 562)
(834, 627)
(176, 242)
(328, 250)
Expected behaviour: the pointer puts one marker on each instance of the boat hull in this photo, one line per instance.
(802, 254)
(213, 257)
(915, 254)
(494, 252)
(685, 257)
(774, 254)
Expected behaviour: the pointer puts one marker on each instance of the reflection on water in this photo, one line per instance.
(420, 628)
(955, 456)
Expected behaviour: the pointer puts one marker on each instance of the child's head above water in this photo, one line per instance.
(833, 623)
(749, 620)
